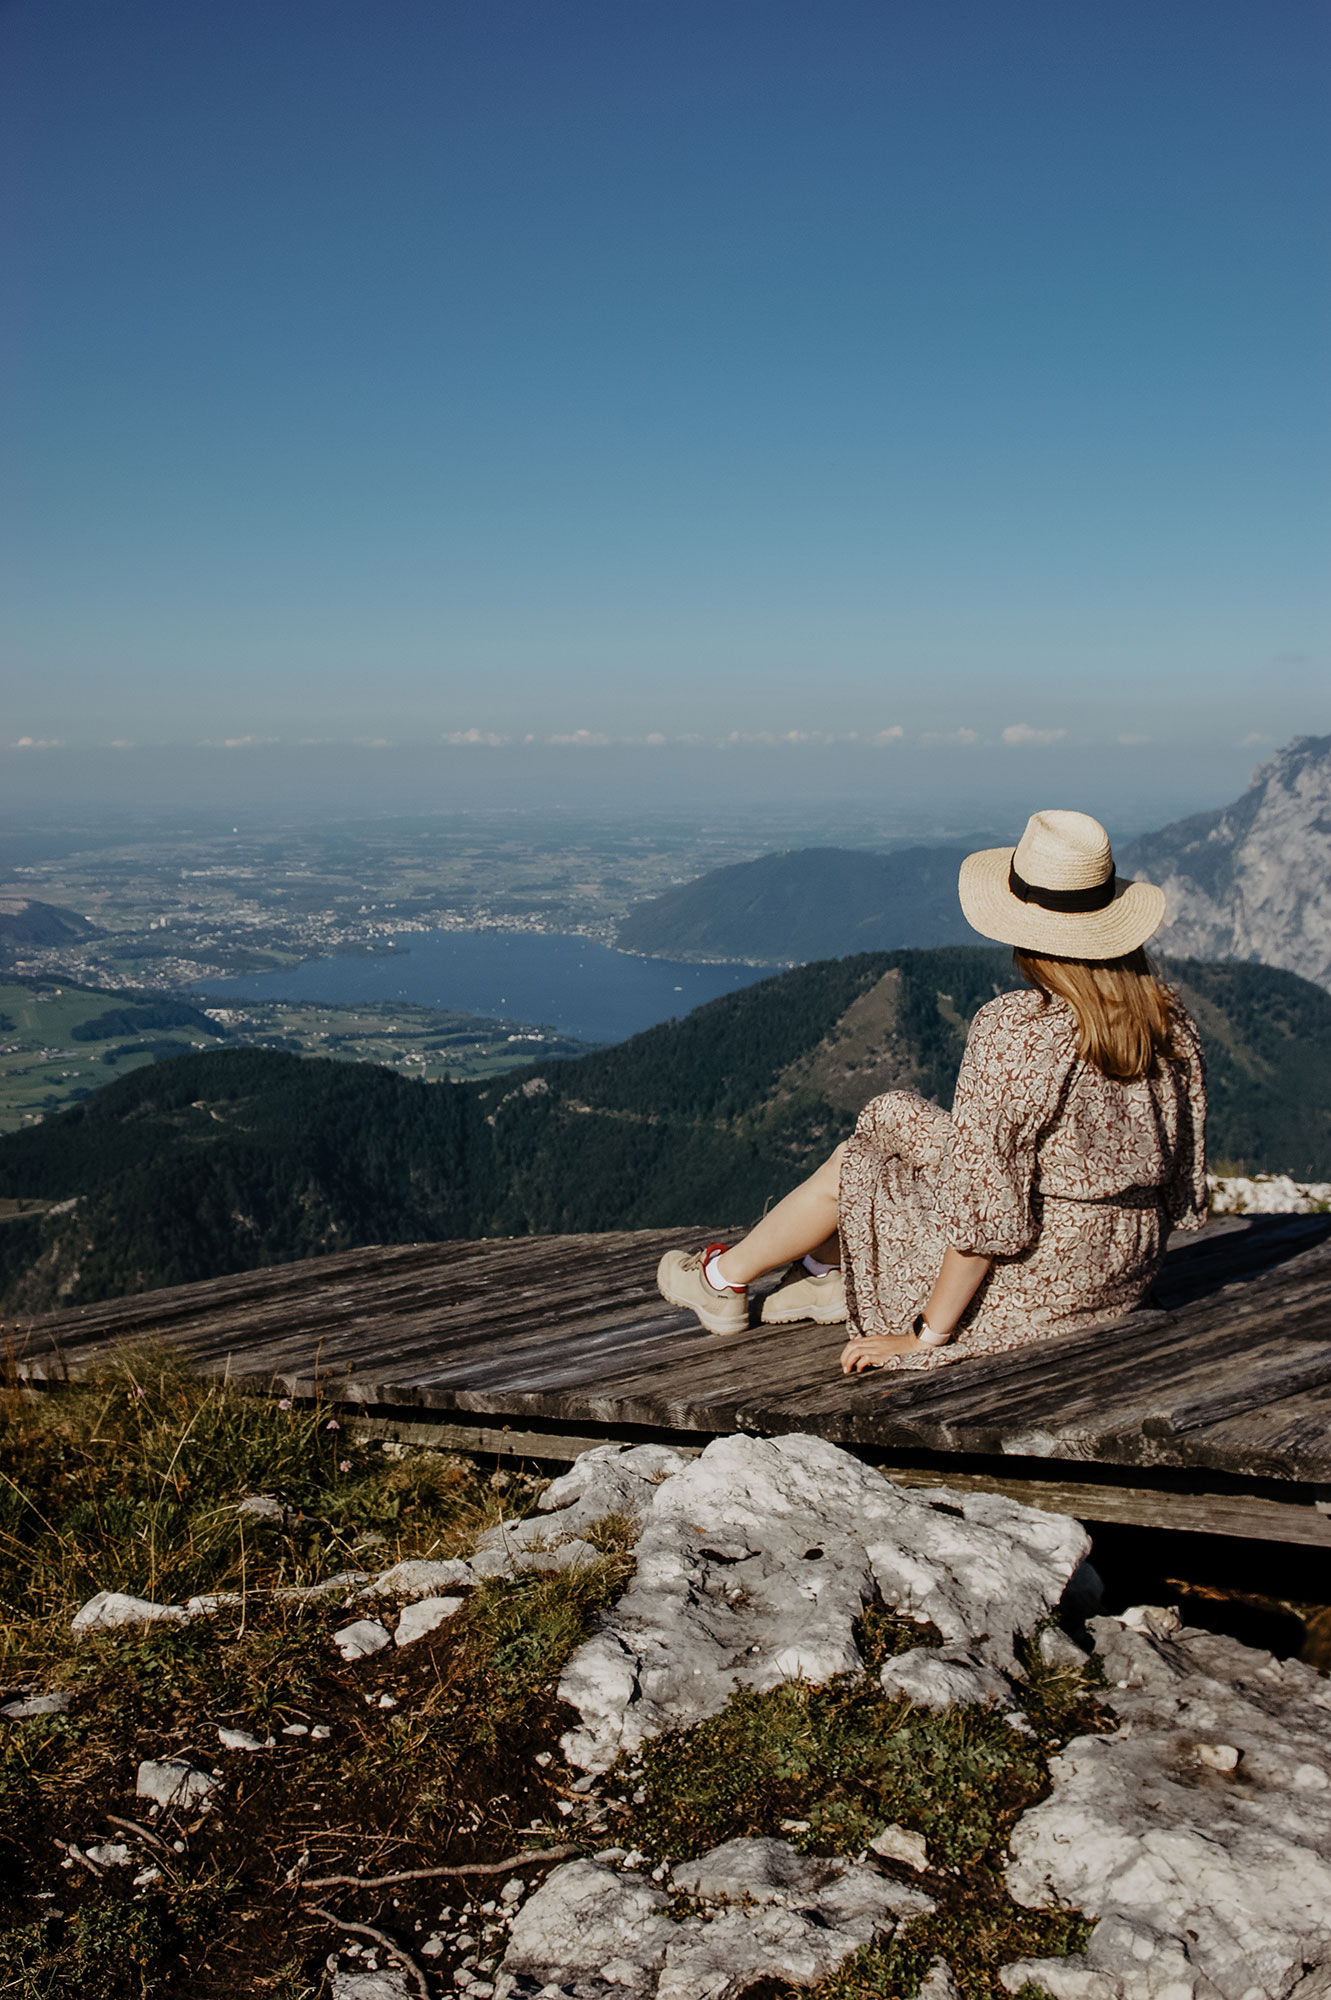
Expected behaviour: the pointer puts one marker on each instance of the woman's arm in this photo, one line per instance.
(956, 1285)
(958, 1280)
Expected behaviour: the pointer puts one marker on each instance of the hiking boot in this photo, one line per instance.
(802, 1296)
(681, 1279)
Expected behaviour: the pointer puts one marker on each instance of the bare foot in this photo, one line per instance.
(871, 1350)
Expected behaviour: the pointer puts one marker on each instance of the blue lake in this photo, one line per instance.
(572, 984)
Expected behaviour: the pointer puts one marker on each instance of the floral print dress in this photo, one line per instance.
(1069, 1180)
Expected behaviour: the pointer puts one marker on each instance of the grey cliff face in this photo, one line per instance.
(1252, 880)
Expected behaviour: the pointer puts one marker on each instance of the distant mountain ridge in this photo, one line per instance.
(1252, 880)
(808, 903)
(232, 1159)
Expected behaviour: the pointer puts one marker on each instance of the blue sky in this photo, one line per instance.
(503, 369)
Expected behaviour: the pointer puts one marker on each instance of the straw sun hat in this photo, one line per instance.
(1056, 892)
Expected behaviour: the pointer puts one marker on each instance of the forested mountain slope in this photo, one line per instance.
(224, 1161)
(25, 924)
(815, 902)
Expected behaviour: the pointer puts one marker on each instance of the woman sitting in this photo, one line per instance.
(1044, 1202)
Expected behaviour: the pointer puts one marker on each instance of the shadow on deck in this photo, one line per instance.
(1208, 1411)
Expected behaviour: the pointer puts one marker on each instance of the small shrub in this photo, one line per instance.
(111, 1949)
(1060, 1700)
(976, 1940)
(847, 1758)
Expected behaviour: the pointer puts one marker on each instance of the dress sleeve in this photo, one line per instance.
(1007, 1091)
(1187, 1200)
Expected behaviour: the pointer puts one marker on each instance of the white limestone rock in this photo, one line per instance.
(110, 1854)
(392, 1983)
(898, 1843)
(171, 1782)
(357, 1641)
(942, 1677)
(1056, 1649)
(263, 1510)
(112, 1608)
(757, 1557)
(427, 1614)
(611, 1479)
(28, 1706)
(590, 1933)
(241, 1739)
(1266, 1194)
(1199, 1834)
(420, 1576)
(938, 1983)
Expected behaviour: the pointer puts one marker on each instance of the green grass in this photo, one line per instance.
(977, 1940)
(130, 1482)
(848, 1759)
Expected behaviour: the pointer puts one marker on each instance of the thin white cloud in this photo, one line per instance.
(1022, 733)
(951, 736)
(1253, 738)
(485, 738)
(583, 739)
(121, 743)
(885, 736)
(243, 743)
(38, 743)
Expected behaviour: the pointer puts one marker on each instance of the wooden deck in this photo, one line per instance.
(1208, 1412)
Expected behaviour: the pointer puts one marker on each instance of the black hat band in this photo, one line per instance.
(1098, 897)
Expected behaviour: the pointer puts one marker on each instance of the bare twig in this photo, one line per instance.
(389, 1944)
(132, 1826)
(425, 1874)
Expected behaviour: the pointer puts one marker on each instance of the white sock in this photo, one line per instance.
(817, 1270)
(714, 1278)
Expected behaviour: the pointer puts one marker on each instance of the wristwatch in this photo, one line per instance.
(925, 1334)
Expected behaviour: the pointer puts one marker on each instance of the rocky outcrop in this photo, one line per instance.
(1266, 1194)
(1252, 880)
(1199, 1834)
(755, 1561)
(754, 1908)
(606, 1483)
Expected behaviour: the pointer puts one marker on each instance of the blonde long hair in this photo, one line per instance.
(1125, 1015)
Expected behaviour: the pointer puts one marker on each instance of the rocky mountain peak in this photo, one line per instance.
(1253, 879)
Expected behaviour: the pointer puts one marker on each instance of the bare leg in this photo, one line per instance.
(803, 1223)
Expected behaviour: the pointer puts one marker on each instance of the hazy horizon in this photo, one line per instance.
(776, 795)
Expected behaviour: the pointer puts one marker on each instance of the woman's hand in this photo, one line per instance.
(871, 1350)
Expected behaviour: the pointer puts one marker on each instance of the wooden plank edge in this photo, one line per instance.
(1304, 1521)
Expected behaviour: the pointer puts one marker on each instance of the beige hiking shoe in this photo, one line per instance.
(680, 1278)
(801, 1296)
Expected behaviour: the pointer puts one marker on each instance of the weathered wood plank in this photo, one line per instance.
(568, 1332)
(1247, 1516)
